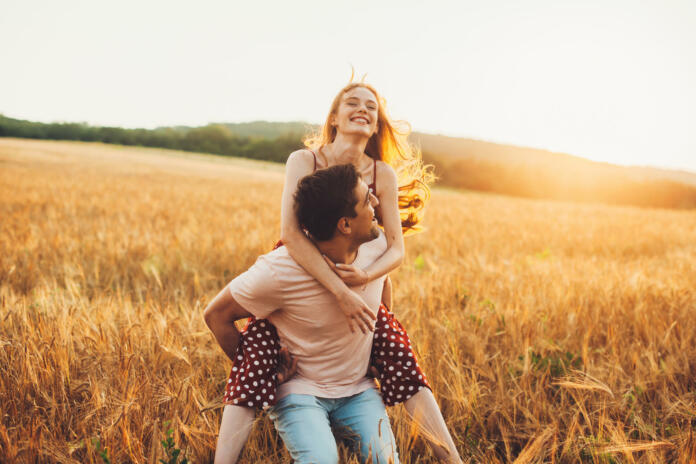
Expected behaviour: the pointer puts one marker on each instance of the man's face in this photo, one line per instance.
(364, 226)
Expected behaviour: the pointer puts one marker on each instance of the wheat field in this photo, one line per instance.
(551, 332)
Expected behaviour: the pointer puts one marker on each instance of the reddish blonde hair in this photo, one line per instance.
(389, 144)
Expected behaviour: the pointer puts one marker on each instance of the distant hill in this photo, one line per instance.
(534, 173)
(443, 146)
(458, 162)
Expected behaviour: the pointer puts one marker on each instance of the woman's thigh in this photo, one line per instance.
(303, 424)
(366, 424)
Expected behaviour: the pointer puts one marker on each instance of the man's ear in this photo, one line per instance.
(343, 226)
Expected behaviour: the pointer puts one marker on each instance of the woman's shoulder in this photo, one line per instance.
(302, 155)
(385, 175)
(303, 160)
(385, 168)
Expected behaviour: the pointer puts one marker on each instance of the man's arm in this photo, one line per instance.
(220, 316)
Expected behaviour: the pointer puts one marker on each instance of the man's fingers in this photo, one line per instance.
(287, 365)
(284, 356)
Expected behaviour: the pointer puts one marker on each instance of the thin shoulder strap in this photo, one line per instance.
(374, 176)
(315, 159)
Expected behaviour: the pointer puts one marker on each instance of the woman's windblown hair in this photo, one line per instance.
(389, 144)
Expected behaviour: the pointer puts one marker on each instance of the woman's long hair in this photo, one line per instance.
(389, 144)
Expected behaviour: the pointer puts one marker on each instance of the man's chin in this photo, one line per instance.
(370, 236)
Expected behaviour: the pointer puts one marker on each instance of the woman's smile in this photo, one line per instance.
(362, 120)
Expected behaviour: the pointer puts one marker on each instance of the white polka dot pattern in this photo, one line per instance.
(257, 359)
(400, 376)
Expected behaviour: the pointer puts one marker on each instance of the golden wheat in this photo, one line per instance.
(551, 332)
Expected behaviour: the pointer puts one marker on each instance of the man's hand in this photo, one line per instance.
(287, 366)
(372, 371)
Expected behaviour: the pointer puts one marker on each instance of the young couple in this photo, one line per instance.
(329, 279)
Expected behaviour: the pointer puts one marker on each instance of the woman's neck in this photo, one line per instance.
(347, 149)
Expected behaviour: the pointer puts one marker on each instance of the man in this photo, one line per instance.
(330, 388)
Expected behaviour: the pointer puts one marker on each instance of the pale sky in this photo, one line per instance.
(607, 80)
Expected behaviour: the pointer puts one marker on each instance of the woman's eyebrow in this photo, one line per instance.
(369, 100)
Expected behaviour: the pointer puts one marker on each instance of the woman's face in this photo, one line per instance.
(357, 113)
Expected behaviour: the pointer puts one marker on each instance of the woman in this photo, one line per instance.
(357, 131)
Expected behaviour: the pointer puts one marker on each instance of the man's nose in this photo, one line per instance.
(374, 201)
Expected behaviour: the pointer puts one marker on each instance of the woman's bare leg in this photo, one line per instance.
(424, 410)
(234, 431)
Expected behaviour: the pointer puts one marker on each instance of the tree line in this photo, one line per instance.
(217, 139)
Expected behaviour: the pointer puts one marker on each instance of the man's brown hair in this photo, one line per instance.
(324, 197)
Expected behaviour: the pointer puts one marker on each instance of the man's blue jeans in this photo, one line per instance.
(305, 421)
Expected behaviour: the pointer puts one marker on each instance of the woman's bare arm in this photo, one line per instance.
(387, 294)
(300, 164)
(394, 255)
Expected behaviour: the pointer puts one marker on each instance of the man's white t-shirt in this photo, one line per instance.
(331, 361)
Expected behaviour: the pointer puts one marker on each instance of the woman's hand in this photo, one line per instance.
(355, 309)
(351, 275)
(357, 312)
